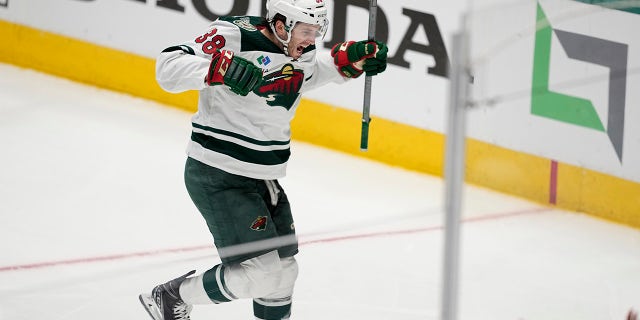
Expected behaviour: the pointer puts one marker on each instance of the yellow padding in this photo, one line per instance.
(85, 62)
(598, 194)
(508, 171)
(390, 142)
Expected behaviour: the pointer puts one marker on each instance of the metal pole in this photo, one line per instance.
(364, 133)
(454, 172)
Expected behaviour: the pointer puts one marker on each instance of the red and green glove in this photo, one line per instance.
(239, 74)
(354, 58)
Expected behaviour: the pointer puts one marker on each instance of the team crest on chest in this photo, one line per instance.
(281, 88)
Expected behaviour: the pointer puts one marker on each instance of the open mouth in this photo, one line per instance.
(299, 50)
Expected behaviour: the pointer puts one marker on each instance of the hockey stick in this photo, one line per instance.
(364, 134)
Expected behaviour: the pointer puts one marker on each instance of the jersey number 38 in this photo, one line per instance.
(211, 42)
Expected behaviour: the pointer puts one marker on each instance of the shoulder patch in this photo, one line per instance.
(245, 23)
(251, 39)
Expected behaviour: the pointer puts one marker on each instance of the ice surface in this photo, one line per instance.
(93, 210)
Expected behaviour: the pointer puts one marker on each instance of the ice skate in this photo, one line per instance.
(164, 302)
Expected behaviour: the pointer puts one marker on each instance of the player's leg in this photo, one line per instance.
(277, 304)
(237, 211)
(267, 276)
(256, 277)
(283, 219)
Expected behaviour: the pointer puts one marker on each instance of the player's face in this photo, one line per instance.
(302, 36)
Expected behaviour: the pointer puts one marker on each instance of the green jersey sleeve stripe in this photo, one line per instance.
(267, 158)
(183, 48)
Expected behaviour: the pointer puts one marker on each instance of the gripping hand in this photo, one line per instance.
(240, 75)
(353, 58)
(378, 62)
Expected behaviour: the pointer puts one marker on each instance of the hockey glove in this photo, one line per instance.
(350, 57)
(378, 62)
(240, 75)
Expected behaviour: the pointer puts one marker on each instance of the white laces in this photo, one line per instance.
(181, 311)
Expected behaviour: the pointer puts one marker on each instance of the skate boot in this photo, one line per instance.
(164, 302)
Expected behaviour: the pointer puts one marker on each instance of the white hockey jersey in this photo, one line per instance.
(248, 136)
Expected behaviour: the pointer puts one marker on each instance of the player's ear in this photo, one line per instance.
(280, 30)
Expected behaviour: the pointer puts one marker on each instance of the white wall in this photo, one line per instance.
(503, 51)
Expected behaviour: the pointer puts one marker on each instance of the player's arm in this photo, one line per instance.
(208, 60)
(348, 60)
(324, 72)
(179, 69)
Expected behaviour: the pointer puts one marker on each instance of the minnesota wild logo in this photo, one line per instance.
(245, 23)
(281, 88)
(259, 224)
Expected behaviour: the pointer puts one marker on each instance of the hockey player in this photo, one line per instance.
(250, 72)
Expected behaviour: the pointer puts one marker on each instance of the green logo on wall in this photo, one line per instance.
(576, 110)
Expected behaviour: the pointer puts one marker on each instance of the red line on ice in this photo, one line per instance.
(123, 256)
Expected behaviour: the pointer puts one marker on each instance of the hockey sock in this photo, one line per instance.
(214, 285)
(272, 309)
(192, 291)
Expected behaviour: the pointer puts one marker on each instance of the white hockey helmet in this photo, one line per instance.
(307, 11)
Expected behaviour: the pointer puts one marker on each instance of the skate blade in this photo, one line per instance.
(150, 306)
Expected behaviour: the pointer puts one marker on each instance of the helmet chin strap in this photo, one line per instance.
(284, 42)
